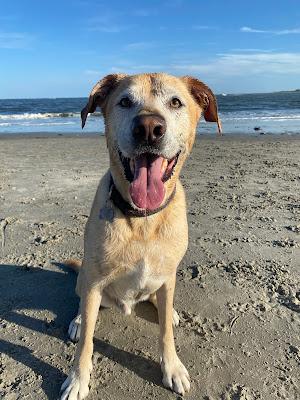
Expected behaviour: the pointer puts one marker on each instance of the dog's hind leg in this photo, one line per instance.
(75, 327)
(175, 317)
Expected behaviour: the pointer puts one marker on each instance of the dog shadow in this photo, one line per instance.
(27, 288)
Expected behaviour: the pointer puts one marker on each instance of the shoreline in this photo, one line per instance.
(101, 134)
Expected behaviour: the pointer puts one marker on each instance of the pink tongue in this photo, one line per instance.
(147, 189)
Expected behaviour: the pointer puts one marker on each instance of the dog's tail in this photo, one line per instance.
(74, 264)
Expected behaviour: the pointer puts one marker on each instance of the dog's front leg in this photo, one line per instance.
(76, 386)
(175, 375)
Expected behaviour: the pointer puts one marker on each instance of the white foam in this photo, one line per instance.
(263, 118)
(36, 124)
(38, 116)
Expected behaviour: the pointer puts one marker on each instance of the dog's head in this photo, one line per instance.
(150, 126)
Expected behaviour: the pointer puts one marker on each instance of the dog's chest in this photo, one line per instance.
(135, 285)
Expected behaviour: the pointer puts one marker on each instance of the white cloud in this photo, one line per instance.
(173, 3)
(288, 31)
(203, 27)
(139, 45)
(143, 12)
(274, 32)
(108, 28)
(15, 40)
(105, 23)
(136, 68)
(247, 29)
(231, 64)
(92, 72)
(252, 50)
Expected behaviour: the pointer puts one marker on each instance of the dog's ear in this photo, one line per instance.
(99, 94)
(205, 98)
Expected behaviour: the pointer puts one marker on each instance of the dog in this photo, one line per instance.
(137, 231)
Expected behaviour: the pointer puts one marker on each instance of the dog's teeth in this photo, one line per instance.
(131, 163)
(164, 165)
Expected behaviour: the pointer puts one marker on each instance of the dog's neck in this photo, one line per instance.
(128, 210)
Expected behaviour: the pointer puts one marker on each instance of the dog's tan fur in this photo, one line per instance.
(135, 259)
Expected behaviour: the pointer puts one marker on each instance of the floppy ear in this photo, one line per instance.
(205, 98)
(99, 95)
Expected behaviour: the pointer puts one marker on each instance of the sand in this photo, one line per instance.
(238, 290)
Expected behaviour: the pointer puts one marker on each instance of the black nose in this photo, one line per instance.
(148, 128)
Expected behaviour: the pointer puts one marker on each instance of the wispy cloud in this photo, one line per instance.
(15, 40)
(273, 32)
(144, 12)
(173, 3)
(136, 68)
(234, 64)
(251, 30)
(223, 66)
(204, 27)
(105, 23)
(108, 29)
(246, 50)
(140, 46)
(92, 72)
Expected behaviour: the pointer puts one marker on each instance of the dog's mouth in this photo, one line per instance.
(147, 174)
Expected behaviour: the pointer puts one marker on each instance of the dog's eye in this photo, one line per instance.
(125, 102)
(175, 103)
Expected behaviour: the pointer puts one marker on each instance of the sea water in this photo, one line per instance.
(259, 113)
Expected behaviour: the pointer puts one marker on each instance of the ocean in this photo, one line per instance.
(268, 113)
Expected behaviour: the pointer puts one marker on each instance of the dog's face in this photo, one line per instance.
(150, 125)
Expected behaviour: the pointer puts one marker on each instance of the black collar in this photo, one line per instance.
(127, 209)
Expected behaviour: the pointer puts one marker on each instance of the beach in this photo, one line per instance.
(238, 286)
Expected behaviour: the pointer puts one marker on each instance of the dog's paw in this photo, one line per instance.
(175, 317)
(75, 328)
(175, 376)
(75, 387)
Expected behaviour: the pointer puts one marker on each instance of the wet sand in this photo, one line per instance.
(238, 287)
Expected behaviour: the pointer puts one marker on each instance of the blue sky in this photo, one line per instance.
(61, 48)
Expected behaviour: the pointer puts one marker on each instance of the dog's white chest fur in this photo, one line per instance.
(132, 287)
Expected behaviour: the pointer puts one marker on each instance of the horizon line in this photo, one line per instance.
(84, 97)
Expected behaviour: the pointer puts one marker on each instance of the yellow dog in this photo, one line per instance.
(137, 232)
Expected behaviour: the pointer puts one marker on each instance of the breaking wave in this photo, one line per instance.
(26, 116)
